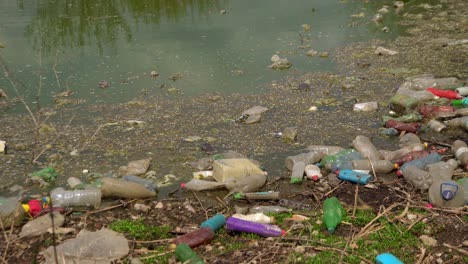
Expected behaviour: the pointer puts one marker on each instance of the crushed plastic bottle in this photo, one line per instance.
(345, 162)
(332, 213)
(313, 172)
(111, 187)
(235, 224)
(186, 255)
(464, 185)
(327, 160)
(269, 209)
(379, 166)
(444, 93)
(257, 218)
(364, 146)
(442, 170)
(268, 195)
(460, 150)
(202, 185)
(297, 173)
(307, 158)
(420, 179)
(195, 238)
(401, 126)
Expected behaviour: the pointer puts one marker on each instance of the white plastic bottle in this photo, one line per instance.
(313, 172)
(257, 217)
(89, 197)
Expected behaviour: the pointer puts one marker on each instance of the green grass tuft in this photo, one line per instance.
(140, 231)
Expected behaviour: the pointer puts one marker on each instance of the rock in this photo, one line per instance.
(39, 225)
(103, 84)
(428, 241)
(248, 183)
(312, 53)
(222, 12)
(255, 110)
(2, 146)
(289, 133)
(202, 164)
(154, 74)
(159, 205)
(306, 27)
(383, 51)
(275, 58)
(279, 63)
(303, 87)
(324, 54)
(255, 118)
(377, 18)
(299, 249)
(141, 207)
(385, 29)
(411, 216)
(137, 167)
(100, 247)
(383, 10)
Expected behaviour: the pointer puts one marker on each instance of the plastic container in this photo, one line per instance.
(332, 213)
(401, 152)
(307, 158)
(380, 166)
(88, 197)
(33, 207)
(195, 238)
(147, 183)
(185, 254)
(388, 131)
(409, 139)
(111, 187)
(431, 110)
(202, 185)
(364, 146)
(461, 102)
(74, 182)
(405, 118)
(387, 258)
(10, 211)
(269, 209)
(401, 126)
(236, 224)
(297, 173)
(464, 184)
(419, 178)
(313, 172)
(411, 156)
(324, 149)
(215, 222)
(446, 194)
(444, 93)
(269, 195)
(442, 170)
(328, 160)
(436, 125)
(257, 218)
(461, 122)
(354, 176)
(407, 88)
(421, 163)
(345, 162)
(203, 175)
(365, 107)
(463, 91)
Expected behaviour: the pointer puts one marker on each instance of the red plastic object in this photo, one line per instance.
(195, 238)
(412, 156)
(35, 207)
(444, 93)
(401, 126)
(429, 110)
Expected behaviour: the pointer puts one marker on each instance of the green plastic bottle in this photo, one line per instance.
(461, 102)
(186, 255)
(332, 213)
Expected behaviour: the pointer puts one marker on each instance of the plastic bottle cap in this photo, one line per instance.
(172, 246)
(315, 178)
(337, 172)
(331, 230)
(182, 185)
(25, 208)
(426, 144)
(396, 166)
(430, 206)
(447, 195)
(399, 173)
(283, 232)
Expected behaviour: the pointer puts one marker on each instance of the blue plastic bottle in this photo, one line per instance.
(422, 162)
(354, 176)
(215, 222)
(387, 258)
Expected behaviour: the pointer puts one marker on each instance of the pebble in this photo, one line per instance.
(142, 207)
(428, 241)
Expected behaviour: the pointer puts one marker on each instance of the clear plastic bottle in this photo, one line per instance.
(268, 195)
(332, 213)
(257, 218)
(147, 183)
(344, 162)
(419, 178)
(89, 197)
(464, 185)
(407, 88)
(446, 194)
(409, 139)
(185, 254)
(307, 158)
(457, 122)
(269, 209)
(327, 160)
(297, 173)
(202, 185)
(380, 166)
(326, 150)
(401, 152)
(365, 147)
(10, 211)
(436, 125)
(463, 91)
(442, 170)
(402, 126)
(236, 224)
(313, 172)
(195, 238)
(421, 163)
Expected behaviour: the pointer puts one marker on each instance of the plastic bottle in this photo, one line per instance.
(436, 125)
(444, 93)
(463, 91)
(201, 185)
(111, 187)
(257, 218)
(88, 197)
(387, 258)
(405, 118)
(215, 222)
(297, 173)
(461, 102)
(345, 162)
(464, 185)
(422, 162)
(354, 176)
(332, 213)
(269, 209)
(195, 238)
(74, 182)
(147, 183)
(431, 110)
(10, 211)
(388, 131)
(203, 175)
(269, 195)
(411, 156)
(407, 88)
(380, 166)
(401, 152)
(442, 170)
(235, 224)
(419, 178)
(401, 126)
(329, 159)
(313, 172)
(364, 146)
(326, 150)
(458, 122)
(460, 150)
(185, 254)
(365, 107)
(307, 158)
(409, 139)
(446, 194)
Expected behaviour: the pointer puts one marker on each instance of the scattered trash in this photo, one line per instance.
(39, 225)
(257, 218)
(239, 225)
(90, 197)
(47, 174)
(332, 213)
(111, 187)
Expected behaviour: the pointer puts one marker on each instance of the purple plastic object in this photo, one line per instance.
(235, 224)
